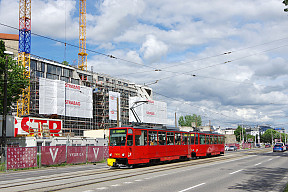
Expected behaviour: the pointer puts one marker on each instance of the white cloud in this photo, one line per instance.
(153, 49)
(164, 33)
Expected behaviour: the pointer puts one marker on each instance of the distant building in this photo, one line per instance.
(279, 130)
(11, 42)
(263, 128)
(229, 131)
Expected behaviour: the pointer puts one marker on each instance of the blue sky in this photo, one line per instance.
(248, 85)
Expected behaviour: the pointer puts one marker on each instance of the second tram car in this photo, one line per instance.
(129, 146)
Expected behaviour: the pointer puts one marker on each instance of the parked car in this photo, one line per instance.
(257, 145)
(286, 147)
(267, 145)
(226, 147)
(232, 148)
(279, 148)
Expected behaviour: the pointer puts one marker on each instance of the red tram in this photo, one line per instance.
(138, 145)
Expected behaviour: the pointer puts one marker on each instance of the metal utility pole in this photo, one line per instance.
(117, 112)
(3, 143)
(175, 121)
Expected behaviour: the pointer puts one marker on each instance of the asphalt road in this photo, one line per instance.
(248, 171)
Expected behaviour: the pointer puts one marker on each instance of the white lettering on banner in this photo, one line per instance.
(96, 153)
(32, 126)
(53, 155)
(76, 154)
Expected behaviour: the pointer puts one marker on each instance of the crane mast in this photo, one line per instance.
(82, 55)
(23, 104)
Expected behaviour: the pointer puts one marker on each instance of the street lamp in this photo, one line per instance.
(3, 143)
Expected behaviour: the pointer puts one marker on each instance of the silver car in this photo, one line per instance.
(232, 148)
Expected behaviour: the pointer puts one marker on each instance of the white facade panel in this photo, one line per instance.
(113, 105)
(151, 112)
(58, 97)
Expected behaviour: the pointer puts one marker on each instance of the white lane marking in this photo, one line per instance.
(257, 164)
(270, 159)
(139, 180)
(163, 175)
(89, 191)
(128, 182)
(148, 178)
(192, 187)
(236, 171)
(102, 188)
(116, 185)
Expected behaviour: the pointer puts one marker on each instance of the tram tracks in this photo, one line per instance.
(90, 177)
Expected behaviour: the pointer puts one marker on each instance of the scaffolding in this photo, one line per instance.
(101, 85)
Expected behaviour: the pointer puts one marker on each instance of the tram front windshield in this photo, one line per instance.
(118, 137)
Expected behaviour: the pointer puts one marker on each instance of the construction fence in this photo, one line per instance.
(27, 157)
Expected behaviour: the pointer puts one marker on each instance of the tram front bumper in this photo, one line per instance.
(111, 162)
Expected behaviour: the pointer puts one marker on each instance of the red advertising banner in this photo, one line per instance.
(95, 153)
(246, 145)
(53, 155)
(76, 154)
(106, 152)
(21, 157)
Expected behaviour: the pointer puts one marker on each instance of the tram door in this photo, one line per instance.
(130, 144)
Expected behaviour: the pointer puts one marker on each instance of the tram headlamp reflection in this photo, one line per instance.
(123, 154)
(110, 154)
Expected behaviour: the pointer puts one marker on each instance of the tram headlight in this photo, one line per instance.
(123, 154)
(110, 154)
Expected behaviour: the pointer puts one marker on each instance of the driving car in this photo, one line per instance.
(232, 148)
(278, 147)
(226, 147)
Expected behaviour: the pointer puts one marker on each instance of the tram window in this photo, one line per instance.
(202, 139)
(211, 139)
(196, 139)
(140, 137)
(117, 137)
(215, 139)
(153, 137)
(170, 138)
(130, 140)
(162, 138)
(177, 138)
(192, 138)
(206, 139)
(130, 131)
(184, 138)
(188, 139)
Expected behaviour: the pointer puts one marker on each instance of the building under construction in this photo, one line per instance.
(101, 84)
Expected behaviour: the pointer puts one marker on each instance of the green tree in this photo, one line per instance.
(65, 63)
(250, 137)
(238, 133)
(188, 119)
(15, 79)
(285, 2)
(267, 136)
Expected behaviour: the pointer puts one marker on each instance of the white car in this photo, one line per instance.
(226, 148)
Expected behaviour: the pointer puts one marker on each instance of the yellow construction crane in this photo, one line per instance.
(82, 55)
(23, 104)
